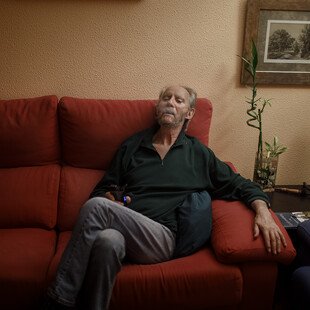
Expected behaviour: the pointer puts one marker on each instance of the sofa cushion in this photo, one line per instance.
(232, 235)
(199, 126)
(92, 130)
(152, 286)
(193, 282)
(75, 186)
(29, 196)
(259, 282)
(25, 255)
(194, 223)
(62, 242)
(29, 132)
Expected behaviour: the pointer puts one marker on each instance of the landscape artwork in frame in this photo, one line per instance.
(281, 32)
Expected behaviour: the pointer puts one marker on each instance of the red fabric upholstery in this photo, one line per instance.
(232, 236)
(199, 126)
(194, 282)
(92, 130)
(25, 255)
(75, 186)
(258, 275)
(29, 196)
(29, 132)
(62, 241)
(150, 286)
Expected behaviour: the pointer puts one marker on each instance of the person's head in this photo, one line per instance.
(175, 106)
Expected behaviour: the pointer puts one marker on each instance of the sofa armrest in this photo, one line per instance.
(232, 235)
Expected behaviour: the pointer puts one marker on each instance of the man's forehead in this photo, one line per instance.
(176, 90)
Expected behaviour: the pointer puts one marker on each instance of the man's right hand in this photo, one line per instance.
(110, 196)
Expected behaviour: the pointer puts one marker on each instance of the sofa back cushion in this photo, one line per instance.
(29, 132)
(74, 189)
(92, 130)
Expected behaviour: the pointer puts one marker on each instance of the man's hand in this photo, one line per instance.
(265, 224)
(110, 196)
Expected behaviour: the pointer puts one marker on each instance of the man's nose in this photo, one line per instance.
(171, 101)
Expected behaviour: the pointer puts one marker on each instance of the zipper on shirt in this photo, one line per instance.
(152, 148)
(162, 159)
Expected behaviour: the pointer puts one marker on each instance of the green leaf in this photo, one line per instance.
(274, 149)
(254, 56)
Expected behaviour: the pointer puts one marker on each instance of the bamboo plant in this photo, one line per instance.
(264, 171)
(256, 105)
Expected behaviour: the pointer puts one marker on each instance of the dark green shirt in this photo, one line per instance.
(158, 187)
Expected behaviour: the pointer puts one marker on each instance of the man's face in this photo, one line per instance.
(173, 107)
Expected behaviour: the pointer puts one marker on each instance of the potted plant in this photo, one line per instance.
(266, 160)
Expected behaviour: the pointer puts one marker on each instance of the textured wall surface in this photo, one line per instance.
(131, 48)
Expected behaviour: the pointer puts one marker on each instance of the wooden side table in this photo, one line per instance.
(287, 202)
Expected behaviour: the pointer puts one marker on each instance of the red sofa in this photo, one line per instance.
(52, 153)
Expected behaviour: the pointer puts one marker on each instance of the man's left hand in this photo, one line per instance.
(265, 224)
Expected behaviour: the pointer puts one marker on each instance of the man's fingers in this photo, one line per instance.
(267, 240)
(277, 240)
(273, 237)
(109, 196)
(283, 240)
(128, 200)
(274, 242)
(256, 231)
(279, 244)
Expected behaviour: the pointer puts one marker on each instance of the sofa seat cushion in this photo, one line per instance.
(25, 255)
(29, 196)
(193, 282)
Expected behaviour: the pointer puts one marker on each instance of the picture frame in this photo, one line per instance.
(281, 32)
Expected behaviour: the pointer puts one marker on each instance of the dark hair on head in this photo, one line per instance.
(192, 95)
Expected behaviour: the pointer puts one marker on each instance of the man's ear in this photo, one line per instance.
(190, 114)
(188, 118)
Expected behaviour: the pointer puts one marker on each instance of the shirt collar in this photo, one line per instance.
(147, 140)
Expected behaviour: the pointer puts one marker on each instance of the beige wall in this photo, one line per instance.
(130, 49)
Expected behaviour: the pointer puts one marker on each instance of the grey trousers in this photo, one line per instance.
(104, 234)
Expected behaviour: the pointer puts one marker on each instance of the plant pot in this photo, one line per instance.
(265, 171)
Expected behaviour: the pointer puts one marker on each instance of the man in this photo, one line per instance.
(158, 168)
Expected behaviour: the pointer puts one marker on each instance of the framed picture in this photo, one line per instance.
(281, 32)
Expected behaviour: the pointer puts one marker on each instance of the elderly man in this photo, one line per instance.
(157, 168)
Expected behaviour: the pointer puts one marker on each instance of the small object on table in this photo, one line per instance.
(304, 191)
